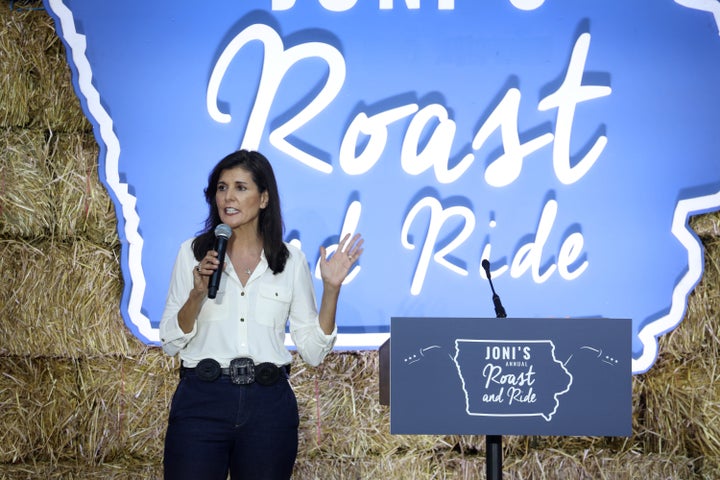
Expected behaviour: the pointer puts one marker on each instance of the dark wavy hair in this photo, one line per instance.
(270, 222)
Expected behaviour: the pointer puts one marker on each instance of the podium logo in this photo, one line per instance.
(519, 379)
(567, 146)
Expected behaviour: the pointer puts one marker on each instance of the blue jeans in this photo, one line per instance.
(215, 427)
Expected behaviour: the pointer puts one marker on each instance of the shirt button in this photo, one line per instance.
(242, 294)
(242, 319)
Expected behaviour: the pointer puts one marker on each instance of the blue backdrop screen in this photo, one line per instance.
(565, 141)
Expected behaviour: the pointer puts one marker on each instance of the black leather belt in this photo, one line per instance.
(242, 371)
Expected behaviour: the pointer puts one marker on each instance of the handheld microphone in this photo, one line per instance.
(499, 309)
(222, 234)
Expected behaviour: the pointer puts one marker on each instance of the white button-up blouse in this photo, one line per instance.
(247, 321)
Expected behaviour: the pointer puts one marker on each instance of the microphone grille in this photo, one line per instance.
(223, 230)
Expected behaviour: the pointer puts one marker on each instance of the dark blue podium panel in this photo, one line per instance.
(511, 376)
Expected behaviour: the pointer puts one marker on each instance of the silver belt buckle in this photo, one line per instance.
(242, 371)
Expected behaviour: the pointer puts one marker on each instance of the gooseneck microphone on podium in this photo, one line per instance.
(222, 234)
(493, 443)
(499, 309)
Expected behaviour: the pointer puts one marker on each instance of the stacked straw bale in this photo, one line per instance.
(81, 398)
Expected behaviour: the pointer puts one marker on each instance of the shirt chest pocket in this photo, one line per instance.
(273, 306)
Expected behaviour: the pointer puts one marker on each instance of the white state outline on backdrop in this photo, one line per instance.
(696, 260)
(710, 6)
(77, 44)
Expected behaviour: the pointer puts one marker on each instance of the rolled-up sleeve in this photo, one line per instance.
(312, 343)
(171, 335)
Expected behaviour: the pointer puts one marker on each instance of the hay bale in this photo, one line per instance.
(682, 394)
(61, 300)
(38, 409)
(49, 187)
(72, 471)
(82, 205)
(682, 410)
(88, 411)
(26, 203)
(15, 83)
(123, 406)
(545, 465)
(699, 332)
(599, 464)
(538, 467)
(415, 466)
(36, 87)
(340, 410)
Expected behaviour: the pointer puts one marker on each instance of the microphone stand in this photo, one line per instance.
(493, 443)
